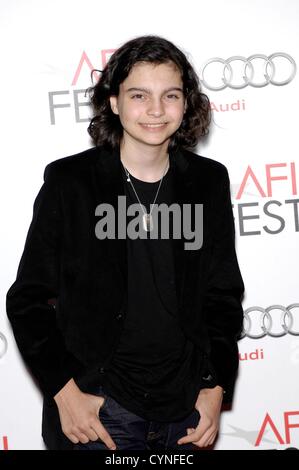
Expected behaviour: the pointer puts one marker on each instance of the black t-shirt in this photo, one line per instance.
(154, 372)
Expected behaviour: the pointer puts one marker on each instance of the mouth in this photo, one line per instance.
(156, 125)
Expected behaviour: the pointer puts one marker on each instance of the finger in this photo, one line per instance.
(73, 438)
(212, 440)
(199, 436)
(83, 438)
(206, 439)
(194, 434)
(91, 434)
(104, 435)
(191, 436)
(190, 430)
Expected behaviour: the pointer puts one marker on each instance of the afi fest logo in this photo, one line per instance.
(274, 216)
(62, 99)
(216, 74)
(4, 443)
(282, 433)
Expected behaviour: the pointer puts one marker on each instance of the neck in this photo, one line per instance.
(144, 163)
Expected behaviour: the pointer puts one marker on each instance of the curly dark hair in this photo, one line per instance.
(105, 127)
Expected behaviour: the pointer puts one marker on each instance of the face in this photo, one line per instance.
(150, 104)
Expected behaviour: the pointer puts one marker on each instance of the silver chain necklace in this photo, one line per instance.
(147, 219)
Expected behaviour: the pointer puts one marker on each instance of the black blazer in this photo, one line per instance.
(68, 302)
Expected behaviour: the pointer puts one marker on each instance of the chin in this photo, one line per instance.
(155, 139)
(155, 142)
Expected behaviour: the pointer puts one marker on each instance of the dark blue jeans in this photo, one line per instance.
(131, 432)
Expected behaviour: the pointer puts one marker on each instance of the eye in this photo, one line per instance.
(138, 96)
(172, 96)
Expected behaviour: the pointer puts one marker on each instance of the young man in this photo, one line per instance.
(132, 339)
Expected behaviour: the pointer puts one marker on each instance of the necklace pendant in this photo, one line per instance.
(147, 222)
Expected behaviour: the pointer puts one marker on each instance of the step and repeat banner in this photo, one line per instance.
(246, 54)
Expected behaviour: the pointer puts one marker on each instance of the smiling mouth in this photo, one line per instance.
(158, 124)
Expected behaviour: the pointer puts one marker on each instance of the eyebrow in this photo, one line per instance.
(146, 90)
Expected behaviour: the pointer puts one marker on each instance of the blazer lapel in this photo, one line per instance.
(184, 194)
(109, 185)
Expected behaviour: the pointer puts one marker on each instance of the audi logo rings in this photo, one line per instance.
(236, 77)
(3, 345)
(264, 324)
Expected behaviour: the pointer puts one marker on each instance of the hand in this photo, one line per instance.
(208, 404)
(78, 414)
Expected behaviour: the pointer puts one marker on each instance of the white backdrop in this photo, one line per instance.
(254, 134)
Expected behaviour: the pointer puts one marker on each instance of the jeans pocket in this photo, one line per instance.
(104, 404)
(99, 391)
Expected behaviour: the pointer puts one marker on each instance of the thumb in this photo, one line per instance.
(190, 431)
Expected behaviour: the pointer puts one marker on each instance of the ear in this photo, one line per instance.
(113, 104)
(185, 106)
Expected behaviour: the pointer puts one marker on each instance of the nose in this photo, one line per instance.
(155, 107)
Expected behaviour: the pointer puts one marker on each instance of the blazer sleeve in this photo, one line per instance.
(222, 300)
(32, 316)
